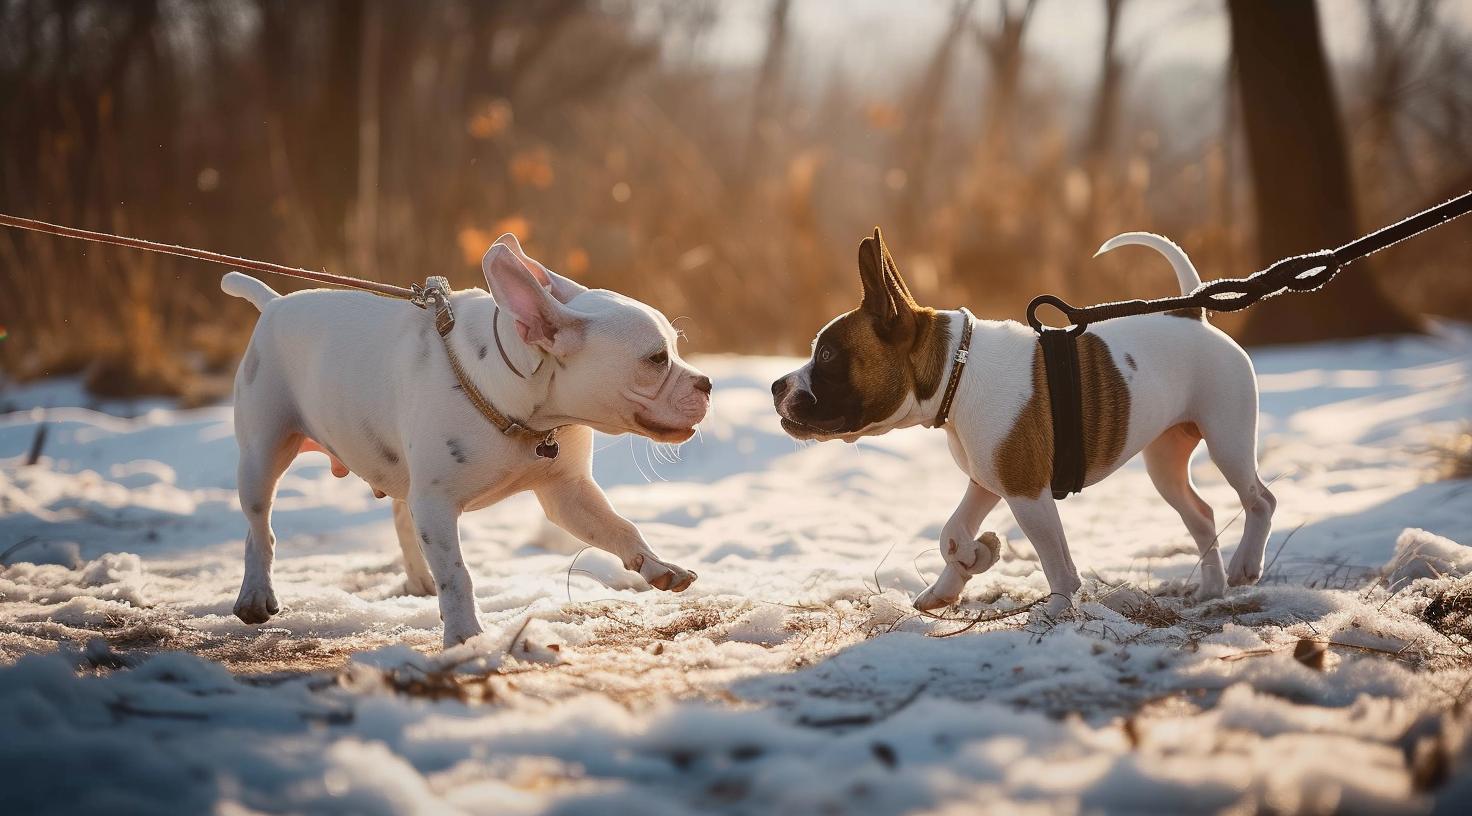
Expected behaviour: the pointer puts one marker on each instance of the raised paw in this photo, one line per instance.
(256, 604)
(661, 575)
(945, 591)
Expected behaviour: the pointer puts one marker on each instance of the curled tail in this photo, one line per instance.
(1185, 272)
(244, 286)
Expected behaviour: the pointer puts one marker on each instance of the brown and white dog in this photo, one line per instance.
(1155, 384)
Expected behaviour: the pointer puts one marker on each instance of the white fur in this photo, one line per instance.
(1186, 274)
(368, 378)
(1185, 371)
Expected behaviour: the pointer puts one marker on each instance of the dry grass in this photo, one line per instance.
(1454, 456)
(731, 202)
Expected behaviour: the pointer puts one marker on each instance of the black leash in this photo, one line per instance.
(1300, 273)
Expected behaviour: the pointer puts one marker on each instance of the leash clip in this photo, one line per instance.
(435, 293)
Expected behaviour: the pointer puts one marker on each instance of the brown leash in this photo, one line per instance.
(433, 295)
(387, 290)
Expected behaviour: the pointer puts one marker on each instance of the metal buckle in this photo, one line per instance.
(962, 355)
(435, 292)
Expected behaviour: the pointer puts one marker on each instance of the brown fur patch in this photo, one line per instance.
(879, 374)
(1024, 459)
(1106, 406)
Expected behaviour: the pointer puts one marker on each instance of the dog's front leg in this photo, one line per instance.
(1039, 521)
(965, 556)
(579, 506)
(437, 520)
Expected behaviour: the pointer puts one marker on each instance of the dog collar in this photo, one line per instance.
(436, 295)
(962, 353)
(506, 358)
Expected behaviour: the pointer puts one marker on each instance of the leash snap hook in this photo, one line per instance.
(1061, 305)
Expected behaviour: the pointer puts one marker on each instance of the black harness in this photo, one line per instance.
(1065, 395)
(1300, 273)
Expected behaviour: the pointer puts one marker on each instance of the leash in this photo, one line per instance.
(1300, 273)
(433, 295)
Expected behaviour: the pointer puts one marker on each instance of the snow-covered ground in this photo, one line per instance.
(793, 678)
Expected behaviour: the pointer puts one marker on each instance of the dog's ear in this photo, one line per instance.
(886, 297)
(564, 289)
(541, 319)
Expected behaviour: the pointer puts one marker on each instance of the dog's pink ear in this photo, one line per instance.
(541, 320)
(564, 289)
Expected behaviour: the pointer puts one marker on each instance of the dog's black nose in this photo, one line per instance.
(779, 388)
(703, 385)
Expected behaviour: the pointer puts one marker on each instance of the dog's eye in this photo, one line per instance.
(825, 353)
(659, 358)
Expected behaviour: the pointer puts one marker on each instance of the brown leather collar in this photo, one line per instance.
(506, 358)
(546, 440)
(962, 353)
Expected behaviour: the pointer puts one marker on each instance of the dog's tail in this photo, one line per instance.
(244, 286)
(1185, 272)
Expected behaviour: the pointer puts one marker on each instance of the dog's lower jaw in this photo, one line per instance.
(662, 433)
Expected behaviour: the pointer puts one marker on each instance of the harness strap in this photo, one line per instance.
(1065, 392)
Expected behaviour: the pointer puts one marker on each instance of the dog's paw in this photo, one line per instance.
(1211, 588)
(420, 586)
(661, 575)
(256, 604)
(1051, 612)
(930, 600)
(1242, 575)
(946, 590)
(972, 556)
(456, 635)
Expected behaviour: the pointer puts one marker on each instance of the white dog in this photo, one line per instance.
(369, 381)
(1157, 384)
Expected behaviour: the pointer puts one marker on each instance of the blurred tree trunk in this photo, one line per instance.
(365, 227)
(334, 141)
(1004, 55)
(1300, 170)
(925, 114)
(1099, 147)
(765, 102)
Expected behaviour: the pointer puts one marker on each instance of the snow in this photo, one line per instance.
(792, 678)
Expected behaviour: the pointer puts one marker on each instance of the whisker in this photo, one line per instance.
(647, 446)
(636, 462)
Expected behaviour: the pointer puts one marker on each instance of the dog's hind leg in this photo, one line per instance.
(417, 579)
(1168, 460)
(964, 555)
(1231, 437)
(263, 458)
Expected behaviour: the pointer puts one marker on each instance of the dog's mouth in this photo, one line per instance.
(663, 433)
(798, 429)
